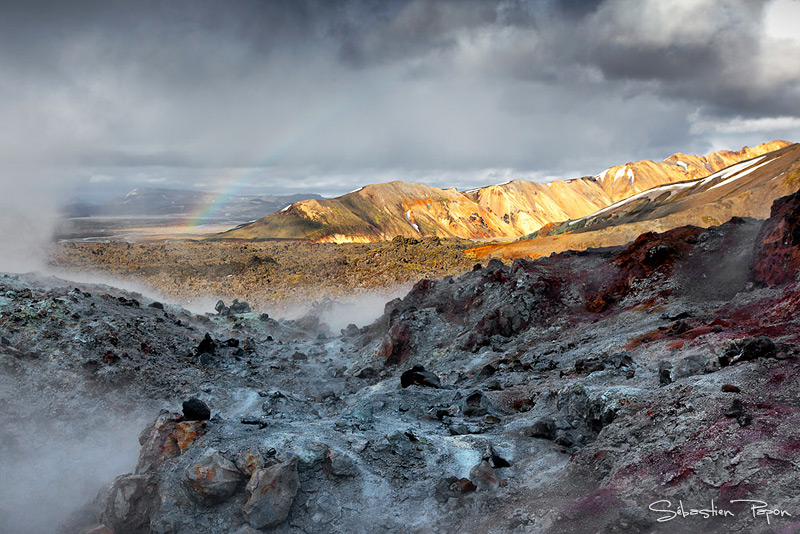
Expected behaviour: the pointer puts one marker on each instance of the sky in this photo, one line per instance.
(98, 97)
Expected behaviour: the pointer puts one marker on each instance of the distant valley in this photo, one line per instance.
(157, 213)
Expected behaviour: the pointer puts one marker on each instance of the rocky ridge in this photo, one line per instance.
(746, 189)
(379, 212)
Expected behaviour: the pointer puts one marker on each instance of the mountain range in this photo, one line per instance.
(745, 189)
(162, 202)
(512, 210)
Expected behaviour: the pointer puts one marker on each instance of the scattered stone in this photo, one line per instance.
(690, 366)
(418, 375)
(367, 372)
(588, 366)
(350, 331)
(212, 478)
(736, 409)
(156, 305)
(634, 520)
(484, 476)
(544, 428)
(340, 464)
(271, 493)
(240, 307)
(748, 349)
(744, 419)
(196, 410)
(459, 429)
(248, 460)
(236, 308)
(475, 405)
(452, 487)
(260, 422)
(129, 503)
(495, 460)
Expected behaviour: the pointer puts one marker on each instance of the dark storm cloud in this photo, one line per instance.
(352, 91)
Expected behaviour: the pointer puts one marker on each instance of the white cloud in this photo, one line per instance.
(744, 125)
(661, 23)
(781, 18)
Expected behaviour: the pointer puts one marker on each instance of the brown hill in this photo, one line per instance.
(745, 189)
(381, 211)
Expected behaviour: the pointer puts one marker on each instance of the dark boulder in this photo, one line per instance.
(748, 349)
(419, 376)
(196, 410)
(207, 345)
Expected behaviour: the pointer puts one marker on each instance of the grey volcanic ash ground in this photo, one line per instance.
(561, 395)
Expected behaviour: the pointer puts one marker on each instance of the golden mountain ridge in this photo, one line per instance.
(744, 189)
(380, 212)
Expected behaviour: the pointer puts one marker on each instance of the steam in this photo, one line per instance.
(28, 216)
(360, 310)
(51, 469)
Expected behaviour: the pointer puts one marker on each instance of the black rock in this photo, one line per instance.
(239, 307)
(418, 375)
(157, 305)
(744, 419)
(758, 347)
(367, 372)
(588, 366)
(488, 370)
(664, 373)
(748, 349)
(475, 405)
(207, 346)
(458, 429)
(497, 461)
(196, 410)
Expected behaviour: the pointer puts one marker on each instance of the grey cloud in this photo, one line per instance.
(354, 89)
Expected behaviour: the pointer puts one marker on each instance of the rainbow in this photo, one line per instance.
(239, 177)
